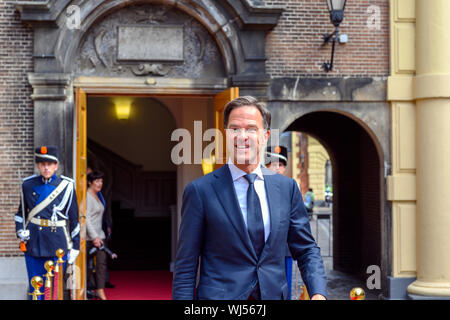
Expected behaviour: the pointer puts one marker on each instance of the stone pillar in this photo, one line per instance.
(432, 94)
(53, 115)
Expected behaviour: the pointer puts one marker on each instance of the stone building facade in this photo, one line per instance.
(269, 48)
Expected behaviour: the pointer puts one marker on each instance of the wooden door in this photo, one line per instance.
(220, 101)
(79, 293)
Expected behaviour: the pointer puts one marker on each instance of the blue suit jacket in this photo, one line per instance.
(213, 229)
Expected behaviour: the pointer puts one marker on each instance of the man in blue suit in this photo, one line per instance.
(237, 220)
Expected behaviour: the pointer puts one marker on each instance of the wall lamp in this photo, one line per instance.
(122, 107)
(336, 9)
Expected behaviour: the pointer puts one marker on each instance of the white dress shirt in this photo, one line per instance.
(241, 186)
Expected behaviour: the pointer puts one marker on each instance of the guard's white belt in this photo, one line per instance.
(48, 223)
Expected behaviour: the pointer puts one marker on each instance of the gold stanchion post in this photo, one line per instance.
(357, 294)
(58, 289)
(49, 266)
(37, 283)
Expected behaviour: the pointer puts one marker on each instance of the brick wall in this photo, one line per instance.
(295, 47)
(16, 119)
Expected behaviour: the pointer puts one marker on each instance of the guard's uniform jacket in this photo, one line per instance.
(56, 225)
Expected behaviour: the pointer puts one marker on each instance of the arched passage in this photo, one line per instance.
(357, 188)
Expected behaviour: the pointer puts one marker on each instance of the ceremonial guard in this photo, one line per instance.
(276, 158)
(47, 219)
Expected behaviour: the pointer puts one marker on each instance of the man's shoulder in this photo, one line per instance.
(70, 182)
(67, 178)
(279, 178)
(31, 181)
(208, 179)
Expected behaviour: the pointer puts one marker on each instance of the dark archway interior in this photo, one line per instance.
(139, 179)
(356, 187)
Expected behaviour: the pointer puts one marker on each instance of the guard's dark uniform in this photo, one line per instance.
(55, 225)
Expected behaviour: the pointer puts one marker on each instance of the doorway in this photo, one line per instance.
(145, 186)
(129, 141)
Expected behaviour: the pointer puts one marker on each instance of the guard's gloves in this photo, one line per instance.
(73, 254)
(23, 235)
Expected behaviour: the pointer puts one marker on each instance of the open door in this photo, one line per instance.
(79, 291)
(220, 101)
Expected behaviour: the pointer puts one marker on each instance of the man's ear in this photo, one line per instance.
(266, 136)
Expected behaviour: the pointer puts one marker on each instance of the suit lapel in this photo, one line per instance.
(224, 188)
(273, 198)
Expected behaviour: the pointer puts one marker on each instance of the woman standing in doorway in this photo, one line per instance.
(95, 235)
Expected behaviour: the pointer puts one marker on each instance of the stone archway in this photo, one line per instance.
(147, 40)
(359, 100)
(358, 187)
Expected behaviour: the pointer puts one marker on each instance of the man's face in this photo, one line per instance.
(277, 166)
(47, 168)
(246, 135)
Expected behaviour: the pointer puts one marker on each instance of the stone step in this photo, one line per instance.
(13, 290)
(13, 279)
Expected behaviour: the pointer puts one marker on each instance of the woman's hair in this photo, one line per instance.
(94, 175)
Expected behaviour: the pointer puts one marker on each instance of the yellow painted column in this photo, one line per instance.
(432, 94)
(318, 157)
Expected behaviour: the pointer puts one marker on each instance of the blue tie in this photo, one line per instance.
(255, 224)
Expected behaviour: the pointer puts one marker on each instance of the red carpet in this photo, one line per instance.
(140, 285)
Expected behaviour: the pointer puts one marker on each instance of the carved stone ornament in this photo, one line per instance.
(146, 69)
(164, 29)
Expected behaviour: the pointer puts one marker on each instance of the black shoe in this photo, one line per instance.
(109, 285)
(91, 295)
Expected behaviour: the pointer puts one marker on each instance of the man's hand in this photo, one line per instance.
(23, 235)
(318, 297)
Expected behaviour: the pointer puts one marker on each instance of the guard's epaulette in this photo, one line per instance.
(30, 177)
(67, 178)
